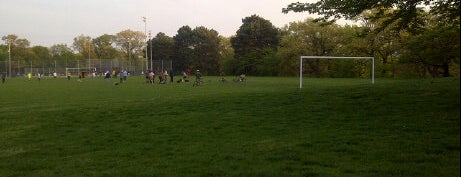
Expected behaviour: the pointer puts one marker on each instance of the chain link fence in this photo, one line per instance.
(134, 67)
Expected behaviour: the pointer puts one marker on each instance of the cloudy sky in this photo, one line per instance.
(49, 22)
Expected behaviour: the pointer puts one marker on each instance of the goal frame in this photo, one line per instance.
(88, 70)
(333, 57)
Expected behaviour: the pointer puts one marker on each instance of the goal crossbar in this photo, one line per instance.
(332, 57)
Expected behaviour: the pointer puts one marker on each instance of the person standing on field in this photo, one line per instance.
(151, 77)
(171, 76)
(125, 74)
(189, 72)
(198, 78)
(122, 76)
(162, 77)
(107, 77)
(184, 76)
(3, 78)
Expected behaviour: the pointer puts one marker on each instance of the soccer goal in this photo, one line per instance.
(332, 57)
(78, 71)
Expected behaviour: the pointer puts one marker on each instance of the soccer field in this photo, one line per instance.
(266, 126)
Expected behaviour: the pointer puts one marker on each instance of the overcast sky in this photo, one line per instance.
(49, 22)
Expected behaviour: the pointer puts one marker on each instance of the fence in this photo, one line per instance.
(135, 67)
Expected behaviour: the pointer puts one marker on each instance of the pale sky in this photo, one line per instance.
(49, 22)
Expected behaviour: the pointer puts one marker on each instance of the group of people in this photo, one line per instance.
(162, 76)
(150, 76)
(123, 75)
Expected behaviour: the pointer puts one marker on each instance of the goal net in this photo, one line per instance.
(84, 72)
(334, 58)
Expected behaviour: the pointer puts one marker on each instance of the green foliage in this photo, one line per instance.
(19, 47)
(3, 53)
(231, 66)
(264, 127)
(254, 35)
(41, 53)
(104, 47)
(131, 42)
(84, 45)
(183, 51)
(206, 45)
(435, 49)
(226, 56)
(260, 62)
(163, 46)
(317, 39)
(197, 49)
(259, 48)
(405, 14)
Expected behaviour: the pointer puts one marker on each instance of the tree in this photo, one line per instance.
(18, 48)
(84, 46)
(206, 50)
(183, 41)
(405, 15)
(227, 62)
(254, 35)
(40, 57)
(61, 52)
(3, 53)
(435, 49)
(309, 38)
(131, 42)
(162, 47)
(104, 47)
(41, 53)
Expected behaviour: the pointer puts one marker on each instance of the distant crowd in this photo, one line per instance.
(163, 76)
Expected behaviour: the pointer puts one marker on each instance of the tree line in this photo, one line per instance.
(406, 41)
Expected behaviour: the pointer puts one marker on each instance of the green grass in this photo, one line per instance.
(264, 127)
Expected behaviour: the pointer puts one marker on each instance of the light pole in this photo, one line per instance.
(89, 51)
(129, 53)
(9, 57)
(151, 63)
(144, 19)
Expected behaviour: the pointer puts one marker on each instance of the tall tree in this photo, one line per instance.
(104, 47)
(183, 41)
(130, 41)
(227, 62)
(206, 50)
(435, 49)
(3, 53)
(197, 49)
(162, 47)
(309, 38)
(41, 58)
(18, 48)
(84, 46)
(41, 53)
(255, 34)
(405, 15)
(59, 50)
(63, 54)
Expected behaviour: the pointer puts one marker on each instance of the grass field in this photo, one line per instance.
(264, 127)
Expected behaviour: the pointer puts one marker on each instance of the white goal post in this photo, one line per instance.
(76, 71)
(331, 57)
